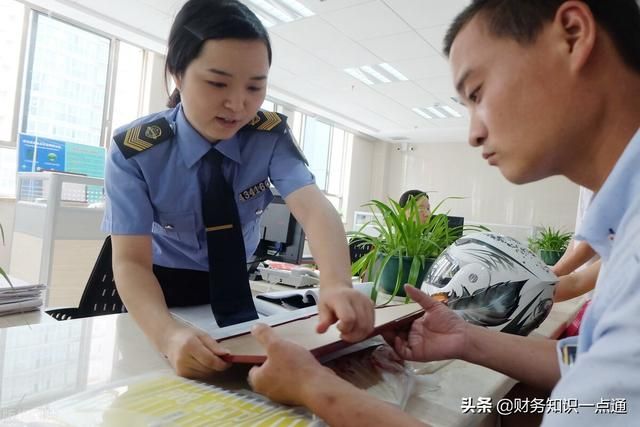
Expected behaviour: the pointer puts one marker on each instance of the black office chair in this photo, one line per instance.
(100, 295)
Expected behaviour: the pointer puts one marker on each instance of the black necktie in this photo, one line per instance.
(229, 290)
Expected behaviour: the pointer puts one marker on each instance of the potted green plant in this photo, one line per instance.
(550, 244)
(404, 248)
(2, 272)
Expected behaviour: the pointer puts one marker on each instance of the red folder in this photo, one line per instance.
(245, 349)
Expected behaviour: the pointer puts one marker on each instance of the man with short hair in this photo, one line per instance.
(552, 88)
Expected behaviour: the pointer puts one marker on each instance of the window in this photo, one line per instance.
(296, 126)
(326, 148)
(66, 87)
(316, 142)
(11, 33)
(128, 90)
(268, 106)
(7, 172)
(336, 163)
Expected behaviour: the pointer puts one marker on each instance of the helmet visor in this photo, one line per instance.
(442, 271)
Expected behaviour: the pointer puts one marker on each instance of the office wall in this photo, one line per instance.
(155, 91)
(359, 183)
(459, 170)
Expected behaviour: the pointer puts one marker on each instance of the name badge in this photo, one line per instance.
(567, 350)
(255, 190)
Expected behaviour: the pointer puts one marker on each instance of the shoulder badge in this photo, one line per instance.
(142, 137)
(268, 121)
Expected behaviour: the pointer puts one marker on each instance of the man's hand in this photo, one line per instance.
(193, 354)
(289, 370)
(439, 334)
(352, 309)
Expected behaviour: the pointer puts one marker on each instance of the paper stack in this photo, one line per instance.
(19, 298)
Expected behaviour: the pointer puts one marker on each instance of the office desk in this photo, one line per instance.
(24, 319)
(44, 362)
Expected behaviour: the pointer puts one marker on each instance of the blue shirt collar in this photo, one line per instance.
(194, 146)
(608, 207)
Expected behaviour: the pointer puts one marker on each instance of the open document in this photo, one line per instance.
(300, 298)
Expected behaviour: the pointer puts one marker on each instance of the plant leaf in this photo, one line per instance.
(400, 232)
(3, 274)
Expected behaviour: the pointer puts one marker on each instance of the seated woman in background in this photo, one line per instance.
(422, 202)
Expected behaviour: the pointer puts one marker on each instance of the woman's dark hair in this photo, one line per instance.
(202, 20)
(523, 21)
(416, 194)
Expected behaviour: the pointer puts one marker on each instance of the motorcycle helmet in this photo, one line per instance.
(494, 281)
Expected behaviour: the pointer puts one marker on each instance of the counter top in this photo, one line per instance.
(43, 362)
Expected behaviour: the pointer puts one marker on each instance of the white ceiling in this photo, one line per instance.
(311, 54)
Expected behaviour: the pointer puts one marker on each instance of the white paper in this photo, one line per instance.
(309, 295)
(23, 296)
(201, 317)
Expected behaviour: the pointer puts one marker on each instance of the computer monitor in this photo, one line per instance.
(456, 222)
(281, 236)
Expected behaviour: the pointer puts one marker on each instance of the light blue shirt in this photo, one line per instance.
(158, 191)
(607, 364)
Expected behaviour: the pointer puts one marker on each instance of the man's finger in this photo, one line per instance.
(253, 376)
(264, 335)
(421, 298)
(402, 348)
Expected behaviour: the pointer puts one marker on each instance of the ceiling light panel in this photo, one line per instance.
(437, 111)
(421, 113)
(451, 111)
(395, 73)
(377, 74)
(298, 7)
(356, 73)
(280, 11)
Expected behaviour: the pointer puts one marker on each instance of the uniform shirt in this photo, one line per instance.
(158, 191)
(607, 362)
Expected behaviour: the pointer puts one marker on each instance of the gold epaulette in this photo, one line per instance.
(268, 121)
(144, 136)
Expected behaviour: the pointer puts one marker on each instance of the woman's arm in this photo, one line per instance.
(574, 257)
(192, 353)
(578, 283)
(338, 299)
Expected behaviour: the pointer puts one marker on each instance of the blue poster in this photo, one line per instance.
(36, 154)
(84, 159)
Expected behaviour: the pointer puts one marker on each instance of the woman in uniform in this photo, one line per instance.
(185, 189)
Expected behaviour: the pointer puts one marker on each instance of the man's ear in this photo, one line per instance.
(578, 28)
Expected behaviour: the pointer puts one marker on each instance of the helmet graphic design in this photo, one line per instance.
(494, 281)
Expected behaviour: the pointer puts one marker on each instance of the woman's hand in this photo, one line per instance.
(193, 353)
(351, 309)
